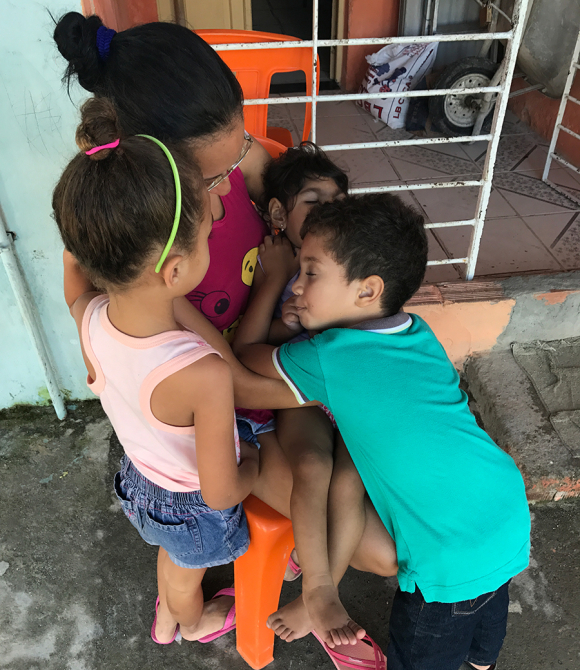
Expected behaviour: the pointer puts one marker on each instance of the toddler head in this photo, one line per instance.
(362, 258)
(294, 183)
(117, 207)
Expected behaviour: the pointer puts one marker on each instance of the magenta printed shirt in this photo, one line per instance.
(223, 293)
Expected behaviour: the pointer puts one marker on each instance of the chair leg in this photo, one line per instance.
(259, 574)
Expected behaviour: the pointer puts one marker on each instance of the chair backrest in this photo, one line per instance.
(272, 147)
(254, 69)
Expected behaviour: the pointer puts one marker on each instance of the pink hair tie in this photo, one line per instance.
(111, 145)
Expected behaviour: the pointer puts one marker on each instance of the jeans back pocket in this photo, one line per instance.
(128, 506)
(466, 607)
(178, 534)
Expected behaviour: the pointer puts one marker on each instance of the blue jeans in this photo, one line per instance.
(440, 636)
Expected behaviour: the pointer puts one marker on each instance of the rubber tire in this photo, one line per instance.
(449, 76)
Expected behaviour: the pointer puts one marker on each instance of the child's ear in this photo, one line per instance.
(370, 291)
(172, 270)
(278, 214)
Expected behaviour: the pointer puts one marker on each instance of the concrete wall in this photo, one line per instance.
(36, 141)
(532, 307)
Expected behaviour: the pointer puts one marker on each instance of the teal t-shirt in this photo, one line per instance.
(452, 500)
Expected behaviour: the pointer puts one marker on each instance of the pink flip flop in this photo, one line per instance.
(153, 627)
(368, 656)
(296, 569)
(228, 624)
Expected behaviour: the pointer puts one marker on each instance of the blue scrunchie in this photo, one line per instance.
(104, 37)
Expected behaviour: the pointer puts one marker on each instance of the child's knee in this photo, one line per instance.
(313, 465)
(346, 483)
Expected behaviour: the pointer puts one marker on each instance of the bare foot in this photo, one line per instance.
(329, 618)
(212, 619)
(290, 622)
(165, 624)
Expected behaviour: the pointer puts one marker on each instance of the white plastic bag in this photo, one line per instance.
(396, 67)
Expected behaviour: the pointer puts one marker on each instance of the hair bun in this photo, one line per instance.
(76, 39)
(99, 125)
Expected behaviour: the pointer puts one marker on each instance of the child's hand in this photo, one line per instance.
(290, 315)
(278, 260)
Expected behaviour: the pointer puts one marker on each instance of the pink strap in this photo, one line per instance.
(111, 145)
(352, 662)
(232, 613)
(296, 569)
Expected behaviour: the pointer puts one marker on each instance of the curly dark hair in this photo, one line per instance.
(285, 176)
(374, 234)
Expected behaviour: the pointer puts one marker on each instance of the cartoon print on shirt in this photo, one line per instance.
(211, 304)
(230, 331)
(249, 266)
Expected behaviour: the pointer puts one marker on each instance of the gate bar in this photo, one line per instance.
(358, 41)
(509, 64)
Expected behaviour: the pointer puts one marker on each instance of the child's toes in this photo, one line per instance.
(358, 631)
(340, 636)
(284, 633)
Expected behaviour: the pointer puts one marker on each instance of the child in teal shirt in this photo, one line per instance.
(452, 500)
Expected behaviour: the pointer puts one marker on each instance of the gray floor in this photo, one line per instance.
(77, 585)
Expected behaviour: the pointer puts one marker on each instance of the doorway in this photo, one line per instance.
(294, 17)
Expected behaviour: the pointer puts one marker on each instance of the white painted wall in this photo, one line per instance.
(37, 124)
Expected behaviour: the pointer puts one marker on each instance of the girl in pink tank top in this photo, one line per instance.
(135, 215)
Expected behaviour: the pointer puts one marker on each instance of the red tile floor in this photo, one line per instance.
(529, 226)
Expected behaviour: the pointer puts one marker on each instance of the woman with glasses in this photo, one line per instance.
(165, 81)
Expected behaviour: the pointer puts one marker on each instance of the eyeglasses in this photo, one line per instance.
(216, 181)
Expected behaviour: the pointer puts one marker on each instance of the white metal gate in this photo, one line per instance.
(566, 97)
(513, 38)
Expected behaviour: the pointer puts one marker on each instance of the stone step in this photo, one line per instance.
(515, 417)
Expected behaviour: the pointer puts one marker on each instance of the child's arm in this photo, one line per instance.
(250, 390)
(210, 389)
(202, 394)
(77, 310)
(279, 265)
(280, 331)
(75, 280)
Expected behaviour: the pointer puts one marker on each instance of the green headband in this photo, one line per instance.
(177, 199)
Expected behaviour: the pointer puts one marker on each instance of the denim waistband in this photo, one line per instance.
(151, 490)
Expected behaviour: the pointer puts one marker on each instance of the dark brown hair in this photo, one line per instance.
(285, 176)
(115, 208)
(374, 234)
(164, 80)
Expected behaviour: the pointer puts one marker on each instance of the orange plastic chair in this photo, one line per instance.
(254, 69)
(272, 147)
(259, 573)
(258, 576)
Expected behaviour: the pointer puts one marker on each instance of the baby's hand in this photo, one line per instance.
(278, 259)
(290, 315)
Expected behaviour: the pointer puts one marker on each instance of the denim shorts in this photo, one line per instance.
(193, 534)
(248, 429)
(440, 636)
